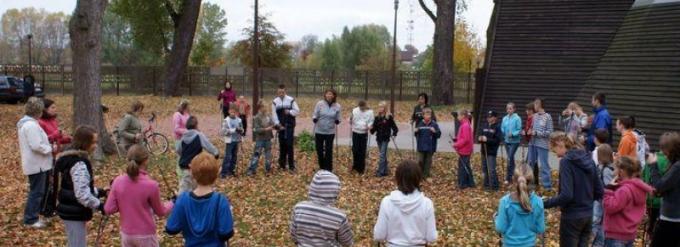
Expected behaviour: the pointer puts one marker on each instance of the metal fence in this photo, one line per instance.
(132, 80)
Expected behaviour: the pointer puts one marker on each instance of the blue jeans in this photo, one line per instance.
(542, 154)
(489, 166)
(36, 192)
(511, 150)
(618, 243)
(260, 147)
(465, 178)
(598, 230)
(230, 156)
(382, 164)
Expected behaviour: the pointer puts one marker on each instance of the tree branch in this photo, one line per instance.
(427, 10)
(171, 11)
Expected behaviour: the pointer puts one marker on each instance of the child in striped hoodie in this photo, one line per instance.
(307, 229)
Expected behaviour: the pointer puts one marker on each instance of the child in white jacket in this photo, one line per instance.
(406, 216)
(361, 121)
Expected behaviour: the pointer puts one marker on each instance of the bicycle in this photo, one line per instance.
(155, 142)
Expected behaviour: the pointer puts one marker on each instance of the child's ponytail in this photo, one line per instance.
(522, 177)
(136, 155)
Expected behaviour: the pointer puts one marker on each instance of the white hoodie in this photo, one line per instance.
(406, 220)
(36, 151)
(361, 120)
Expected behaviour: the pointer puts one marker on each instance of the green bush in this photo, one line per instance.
(305, 142)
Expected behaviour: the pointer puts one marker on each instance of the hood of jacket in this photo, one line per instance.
(639, 190)
(407, 204)
(516, 207)
(324, 188)
(580, 159)
(189, 136)
(202, 214)
(24, 120)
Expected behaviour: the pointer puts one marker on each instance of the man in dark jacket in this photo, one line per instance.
(427, 133)
(579, 187)
(490, 139)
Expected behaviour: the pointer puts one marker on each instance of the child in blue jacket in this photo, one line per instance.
(203, 216)
(520, 215)
(427, 132)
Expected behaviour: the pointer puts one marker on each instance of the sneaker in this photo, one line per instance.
(37, 225)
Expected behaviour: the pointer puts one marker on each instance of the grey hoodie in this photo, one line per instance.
(189, 136)
(325, 116)
(317, 222)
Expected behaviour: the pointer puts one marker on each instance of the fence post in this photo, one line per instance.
(117, 78)
(189, 80)
(297, 84)
(366, 85)
(418, 83)
(332, 79)
(401, 83)
(63, 78)
(43, 80)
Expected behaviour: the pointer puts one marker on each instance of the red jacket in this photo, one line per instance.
(464, 140)
(624, 209)
(227, 96)
(528, 126)
(51, 128)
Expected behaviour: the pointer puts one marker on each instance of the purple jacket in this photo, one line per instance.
(227, 96)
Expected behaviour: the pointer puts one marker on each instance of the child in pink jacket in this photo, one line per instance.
(463, 146)
(624, 203)
(135, 195)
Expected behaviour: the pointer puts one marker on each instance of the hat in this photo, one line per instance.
(491, 114)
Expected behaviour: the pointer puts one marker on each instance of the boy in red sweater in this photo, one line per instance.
(624, 203)
(463, 146)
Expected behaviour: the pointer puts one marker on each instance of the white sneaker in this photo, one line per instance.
(38, 224)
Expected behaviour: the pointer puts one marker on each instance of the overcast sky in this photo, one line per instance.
(295, 18)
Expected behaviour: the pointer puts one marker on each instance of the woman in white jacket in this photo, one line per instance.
(406, 216)
(36, 159)
(361, 121)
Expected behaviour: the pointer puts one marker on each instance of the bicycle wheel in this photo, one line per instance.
(156, 143)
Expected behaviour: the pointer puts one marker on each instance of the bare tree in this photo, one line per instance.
(85, 30)
(442, 60)
(184, 22)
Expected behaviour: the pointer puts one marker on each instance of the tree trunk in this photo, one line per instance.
(442, 60)
(85, 29)
(185, 27)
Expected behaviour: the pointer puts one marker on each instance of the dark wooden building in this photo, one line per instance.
(565, 50)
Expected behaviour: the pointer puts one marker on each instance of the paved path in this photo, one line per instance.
(210, 125)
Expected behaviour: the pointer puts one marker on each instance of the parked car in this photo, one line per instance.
(12, 90)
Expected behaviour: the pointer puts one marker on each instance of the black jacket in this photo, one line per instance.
(68, 207)
(579, 186)
(384, 127)
(417, 115)
(494, 137)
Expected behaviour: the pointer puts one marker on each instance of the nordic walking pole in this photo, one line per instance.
(165, 180)
(488, 167)
(413, 143)
(100, 230)
(394, 141)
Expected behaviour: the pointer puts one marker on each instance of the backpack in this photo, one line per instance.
(642, 147)
(601, 171)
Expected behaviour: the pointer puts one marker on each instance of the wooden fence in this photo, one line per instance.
(133, 80)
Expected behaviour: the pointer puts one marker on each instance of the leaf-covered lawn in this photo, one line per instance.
(261, 204)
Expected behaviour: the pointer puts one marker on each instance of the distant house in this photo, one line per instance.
(408, 55)
(565, 50)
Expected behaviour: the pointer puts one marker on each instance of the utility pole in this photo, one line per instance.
(256, 58)
(394, 56)
(30, 56)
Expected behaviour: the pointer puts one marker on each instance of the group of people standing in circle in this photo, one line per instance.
(603, 195)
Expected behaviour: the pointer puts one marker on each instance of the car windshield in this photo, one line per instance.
(15, 82)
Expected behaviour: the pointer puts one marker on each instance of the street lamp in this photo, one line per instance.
(394, 56)
(29, 37)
